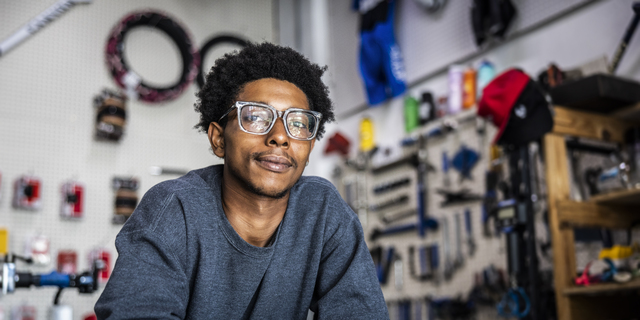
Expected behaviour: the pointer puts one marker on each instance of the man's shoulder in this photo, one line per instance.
(165, 204)
(316, 185)
(317, 194)
(202, 179)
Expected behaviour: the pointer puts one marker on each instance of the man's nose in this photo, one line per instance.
(278, 135)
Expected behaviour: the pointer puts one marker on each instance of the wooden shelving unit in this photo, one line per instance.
(613, 210)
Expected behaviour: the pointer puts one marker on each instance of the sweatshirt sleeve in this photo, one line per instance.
(347, 286)
(149, 279)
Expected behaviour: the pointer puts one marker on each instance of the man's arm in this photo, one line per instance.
(347, 286)
(148, 280)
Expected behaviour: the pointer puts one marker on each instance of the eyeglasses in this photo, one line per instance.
(259, 118)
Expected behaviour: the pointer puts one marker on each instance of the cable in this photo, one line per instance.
(56, 299)
(129, 80)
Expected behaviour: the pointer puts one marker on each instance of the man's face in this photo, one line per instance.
(266, 165)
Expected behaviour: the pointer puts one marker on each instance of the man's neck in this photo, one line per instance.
(254, 217)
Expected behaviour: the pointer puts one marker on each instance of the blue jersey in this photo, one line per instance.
(381, 64)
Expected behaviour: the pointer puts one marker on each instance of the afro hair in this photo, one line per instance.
(233, 71)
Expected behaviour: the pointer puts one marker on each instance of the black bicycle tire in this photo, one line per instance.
(119, 67)
(209, 44)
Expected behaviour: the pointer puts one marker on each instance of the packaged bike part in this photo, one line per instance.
(111, 115)
(67, 261)
(27, 193)
(37, 247)
(24, 312)
(72, 200)
(104, 255)
(126, 198)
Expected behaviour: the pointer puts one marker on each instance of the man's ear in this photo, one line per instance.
(216, 139)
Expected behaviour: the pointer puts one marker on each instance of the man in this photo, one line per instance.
(250, 239)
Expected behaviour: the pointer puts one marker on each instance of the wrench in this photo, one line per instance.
(434, 258)
(446, 179)
(448, 264)
(361, 196)
(471, 243)
(459, 260)
(398, 273)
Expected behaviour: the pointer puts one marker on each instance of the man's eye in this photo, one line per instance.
(256, 118)
(298, 124)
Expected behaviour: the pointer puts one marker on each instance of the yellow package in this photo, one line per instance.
(616, 252)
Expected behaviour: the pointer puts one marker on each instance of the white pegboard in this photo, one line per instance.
(430, 42)
(46, 119)
(489, 250)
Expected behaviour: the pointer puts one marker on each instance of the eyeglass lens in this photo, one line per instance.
(258, 119)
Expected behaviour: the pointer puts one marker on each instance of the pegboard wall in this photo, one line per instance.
(401, 285)
(46, 120)
(446, 36)
(432, 41)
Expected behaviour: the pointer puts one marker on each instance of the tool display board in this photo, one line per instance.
(489, 250)
(46, 91)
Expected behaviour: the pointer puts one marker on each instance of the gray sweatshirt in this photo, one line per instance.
(180, 258)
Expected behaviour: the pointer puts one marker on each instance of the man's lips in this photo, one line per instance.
(274, 162)
(275, 159)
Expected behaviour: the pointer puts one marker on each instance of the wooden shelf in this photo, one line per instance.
(602, 288)
(589, 125)
(618, 198)
(593, 214)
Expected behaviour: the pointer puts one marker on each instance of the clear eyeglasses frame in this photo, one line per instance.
(259, 118)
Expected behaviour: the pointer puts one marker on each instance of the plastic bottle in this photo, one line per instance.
(469, 88)
(486, 73)
(411, 117)
(366, 135)
(427, 109)
(455, 88)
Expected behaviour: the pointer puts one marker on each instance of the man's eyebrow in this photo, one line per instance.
(289, 107)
